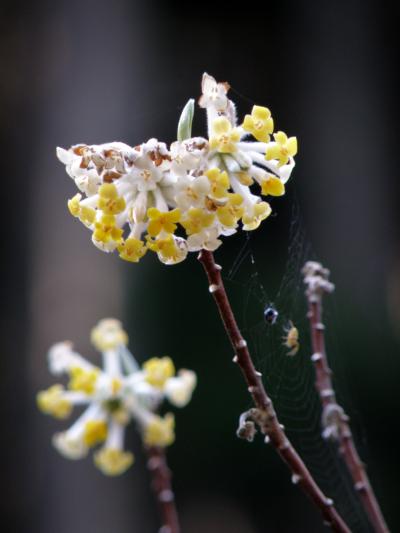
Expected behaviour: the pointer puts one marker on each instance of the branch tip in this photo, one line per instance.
(316, 278)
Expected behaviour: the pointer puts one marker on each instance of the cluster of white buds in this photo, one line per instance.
(316, 279)
(183, 198)
(114, 395)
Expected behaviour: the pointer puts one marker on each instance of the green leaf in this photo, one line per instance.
(185, 121)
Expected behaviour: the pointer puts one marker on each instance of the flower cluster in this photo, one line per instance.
(116, 394)
(181, 198)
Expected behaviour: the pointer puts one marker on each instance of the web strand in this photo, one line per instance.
(290, 379)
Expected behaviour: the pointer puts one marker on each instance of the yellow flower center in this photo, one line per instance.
(160, 431)
(115, 386)
(52, 402)
(83, 380)
(95, 432)
(158, 370)
(112, 461)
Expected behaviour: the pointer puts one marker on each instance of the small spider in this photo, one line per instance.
(270, 315)
(291, 339)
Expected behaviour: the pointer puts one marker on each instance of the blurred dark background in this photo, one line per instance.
(96, 71)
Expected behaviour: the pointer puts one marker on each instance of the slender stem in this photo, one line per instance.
(334, 419)
(264, 414)
(161, 484)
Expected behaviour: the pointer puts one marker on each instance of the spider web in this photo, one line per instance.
(289, 380)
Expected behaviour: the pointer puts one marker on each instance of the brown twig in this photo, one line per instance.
(264, 414)
(334, 420)
(161, 484)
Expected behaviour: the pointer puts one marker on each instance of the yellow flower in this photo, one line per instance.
(116, 385)
(109, 201)
(179, 389)
(224, 137)
(167, 248)
(158, 370)
(197, 219)
(108, 335)
(260, 123)
(95, 432)
(121, 416)
(113, 396)
(160, 431)
(74, 205)
(230, 213)
(132, 250)
(261, 211)
(106, 230)
(160, 221)
(112, 461)
(282, 148)
(69, 445)
(219, 182)
(52, 402)
(272, 186)
(245, 179)
(85, 214)
(83, 380)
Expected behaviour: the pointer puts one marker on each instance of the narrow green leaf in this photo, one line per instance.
(185, 121)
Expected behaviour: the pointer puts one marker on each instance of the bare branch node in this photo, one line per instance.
(333, 418)
(247, 428)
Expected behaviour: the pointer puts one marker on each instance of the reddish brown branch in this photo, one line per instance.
(334, 420)
(161, 484)
(264, 414)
